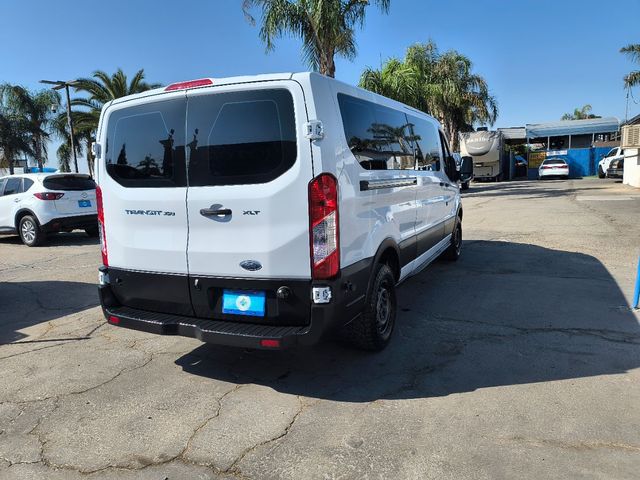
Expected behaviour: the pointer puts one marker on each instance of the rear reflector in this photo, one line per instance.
(49, 195)
(114, 320)
(270, 343)
(202, 82)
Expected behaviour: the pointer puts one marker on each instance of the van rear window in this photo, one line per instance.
(145, 145)
(68, 183)
(240, 138)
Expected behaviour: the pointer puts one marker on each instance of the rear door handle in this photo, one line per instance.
(221, 212)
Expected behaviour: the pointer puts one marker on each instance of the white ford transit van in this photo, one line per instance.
(265, 211)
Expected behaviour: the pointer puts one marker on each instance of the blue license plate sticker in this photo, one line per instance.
(240, 302)
(84, 203)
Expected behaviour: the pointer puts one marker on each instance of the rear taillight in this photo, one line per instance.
(103, 236)
(323, 226)
(564, 166)
(49, 195)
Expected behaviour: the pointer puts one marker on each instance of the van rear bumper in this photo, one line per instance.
(348, 295)
(220, 332)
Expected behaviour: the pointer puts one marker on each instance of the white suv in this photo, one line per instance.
(33, 205)
(616, 153)
(264, 211)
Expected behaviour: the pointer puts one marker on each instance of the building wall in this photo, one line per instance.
(632, 167)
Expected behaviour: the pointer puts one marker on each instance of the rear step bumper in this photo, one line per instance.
(220, 332)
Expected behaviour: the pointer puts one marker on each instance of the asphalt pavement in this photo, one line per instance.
(521, 360)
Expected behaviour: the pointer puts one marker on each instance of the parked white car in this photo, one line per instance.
(33, 205)
(553, 167)
(272, 210)
(616, 153)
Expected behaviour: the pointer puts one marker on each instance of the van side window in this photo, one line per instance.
(3, 181)
(447, 154)
(240, 138)
(145, 145)
(426, 144)
(379, 137)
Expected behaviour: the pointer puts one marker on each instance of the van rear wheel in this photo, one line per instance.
(372, 330)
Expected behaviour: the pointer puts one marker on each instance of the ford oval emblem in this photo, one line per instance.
(251, 265)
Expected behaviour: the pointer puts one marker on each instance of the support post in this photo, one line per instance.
(70, 122)
(636, 293)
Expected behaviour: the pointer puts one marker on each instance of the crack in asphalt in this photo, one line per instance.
(580, 445)
(608, 335)
(234, 466)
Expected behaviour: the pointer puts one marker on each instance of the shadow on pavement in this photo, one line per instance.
(548, 188)
(54, 240)
(505, 314)
(23, 304)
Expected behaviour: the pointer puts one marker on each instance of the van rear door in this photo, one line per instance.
(144, 189)
(249, 167)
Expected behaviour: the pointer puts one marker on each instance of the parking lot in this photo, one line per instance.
(521, 360)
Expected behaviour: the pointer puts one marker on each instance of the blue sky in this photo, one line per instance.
(540, 58)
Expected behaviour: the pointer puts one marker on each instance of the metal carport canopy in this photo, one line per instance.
(572, 127)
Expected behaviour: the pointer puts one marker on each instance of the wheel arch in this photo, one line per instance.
(389, 253)
(23, 212)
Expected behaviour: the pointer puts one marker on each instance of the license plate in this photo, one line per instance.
(84, 203)
(239, 302)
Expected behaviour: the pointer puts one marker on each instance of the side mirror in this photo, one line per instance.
(466, 169)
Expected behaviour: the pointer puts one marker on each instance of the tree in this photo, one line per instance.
(100, 89)
(36, 113)
(632, 79)
(441, 84)
(14, 139)
(580, 114)
(326, 27)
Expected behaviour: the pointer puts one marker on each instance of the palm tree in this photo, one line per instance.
(36, 111)
(581, 113)
(632, 51)
(100, 89)
(441, 84)
(14, 139)
(326, 27)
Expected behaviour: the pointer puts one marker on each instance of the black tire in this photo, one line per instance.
(373, 328)
(601, 173)
(465, 186)
(455, 249)
(92, 231)
(30, 232)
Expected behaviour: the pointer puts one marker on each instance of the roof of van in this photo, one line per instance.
(302, 76)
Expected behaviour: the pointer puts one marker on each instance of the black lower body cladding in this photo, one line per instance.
(70, 223)
(192, 306)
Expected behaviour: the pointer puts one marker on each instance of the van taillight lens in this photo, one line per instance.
(49, 195)
(103, 236)
(323, 226)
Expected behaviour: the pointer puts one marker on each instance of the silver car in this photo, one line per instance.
(553, 167)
